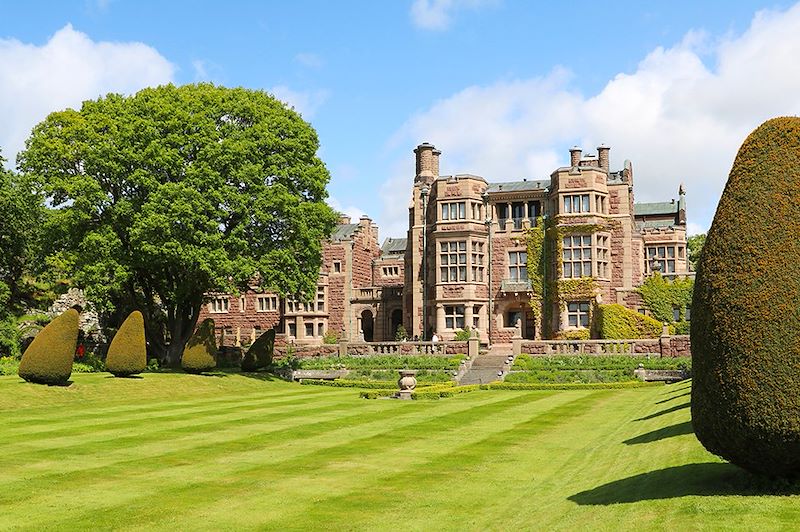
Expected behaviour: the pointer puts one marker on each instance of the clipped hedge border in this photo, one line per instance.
(427, 392)
(371, 385)
(569, 386)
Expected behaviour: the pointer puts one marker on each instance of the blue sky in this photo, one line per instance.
(502, 87)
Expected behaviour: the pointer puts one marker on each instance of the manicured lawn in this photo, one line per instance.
(181, 452)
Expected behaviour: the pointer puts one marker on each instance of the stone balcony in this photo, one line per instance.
(376, 293)
(515, 286)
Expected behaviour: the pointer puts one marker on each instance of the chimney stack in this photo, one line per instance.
(574, 156)
(344, 219)
(602, 157)
(427, 162)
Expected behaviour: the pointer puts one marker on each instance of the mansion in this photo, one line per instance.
(465, 258)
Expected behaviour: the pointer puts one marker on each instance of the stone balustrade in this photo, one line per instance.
(665, 346)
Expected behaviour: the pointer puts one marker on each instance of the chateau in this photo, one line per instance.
(524, 257)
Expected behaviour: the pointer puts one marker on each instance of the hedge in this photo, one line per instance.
(127, 354)
(48, 360)
(615, 322)
(745, 314)
(199, 354)
(569, 386)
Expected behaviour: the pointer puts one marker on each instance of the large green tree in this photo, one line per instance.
(177, 192)
(21, 215)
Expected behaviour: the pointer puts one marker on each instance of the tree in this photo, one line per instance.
(177, 192)
(695, 245)
(22, 215)
(745, 314)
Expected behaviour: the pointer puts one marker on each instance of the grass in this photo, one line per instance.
(174, 451)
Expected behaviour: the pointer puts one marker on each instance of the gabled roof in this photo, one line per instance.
(518, 186)
(394, 246)
(344, 231)
(651, 209)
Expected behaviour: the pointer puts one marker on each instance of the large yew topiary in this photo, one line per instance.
(745, 328)
(48, 360)
(260, 354)
(201, 349)
(127, 354)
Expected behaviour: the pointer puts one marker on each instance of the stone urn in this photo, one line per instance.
(407, 382)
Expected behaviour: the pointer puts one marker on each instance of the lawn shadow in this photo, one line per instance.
(263, 376)
(671, 397)
(709, 479)
(678, 429)
(665, 411)
(132, 377)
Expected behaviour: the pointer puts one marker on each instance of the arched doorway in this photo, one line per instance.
(367, 325)
(395, 322)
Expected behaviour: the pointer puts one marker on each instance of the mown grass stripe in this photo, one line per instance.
(99, 425)
(349, 442)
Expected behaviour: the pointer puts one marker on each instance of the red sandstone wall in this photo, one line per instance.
(332, 252)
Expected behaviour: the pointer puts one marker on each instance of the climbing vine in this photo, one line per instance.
(549, 290)
(660, 296)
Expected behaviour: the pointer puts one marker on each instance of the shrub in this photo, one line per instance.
(462, 335)
(573, 334)
(401, 334)
(330, 337)
(127, 354)
(680, 327)
(745, 314)
(249, 362)
(569, 386)
(48, 360)
(615, 322)
(9, 337)
(263, 349)
(198, 356)
(383, 362)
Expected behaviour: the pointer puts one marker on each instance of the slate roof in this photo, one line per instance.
(518, 186)
(655, 224)
(344, 231)
(652, 209)
(394, 246)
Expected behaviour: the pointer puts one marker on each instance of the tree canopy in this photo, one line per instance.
(695, 244)
(177, 192)
(22, 214)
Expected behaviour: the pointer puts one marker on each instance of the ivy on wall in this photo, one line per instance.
(549, 290)
(660, 296)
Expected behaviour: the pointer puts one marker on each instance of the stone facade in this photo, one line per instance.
(463, 263)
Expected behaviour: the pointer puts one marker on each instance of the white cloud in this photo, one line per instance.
(304, 102)
(349, 210)
(200, 71)
(68, 69)
(677, 119)
(437, 14)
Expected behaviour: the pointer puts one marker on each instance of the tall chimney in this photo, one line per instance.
(602, 157)
(574, 156)
(427, 162)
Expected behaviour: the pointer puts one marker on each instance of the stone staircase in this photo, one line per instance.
(488, 367)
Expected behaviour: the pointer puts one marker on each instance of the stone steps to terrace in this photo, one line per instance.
(488, 367)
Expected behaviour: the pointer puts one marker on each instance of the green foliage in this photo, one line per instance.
(20, 235)
(616, 322)
(578, 375)
(569, 386)
(695, 245)
(401, 334)
(462, 335)
(423, 375)
(260, 354)
(660, 296)
(330, 337)
(382, 362)
(598, 362)
(745, 313)
(339, 383)
(680, 327)
(201, 350)
(175, 192)
(48, 360)
(127, 354)
(9, 337)
(573, 334)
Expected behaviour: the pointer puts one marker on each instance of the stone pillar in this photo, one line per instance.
(439, 319)
(516, 346)
(238, 337)
(473, 346)
(342, 348)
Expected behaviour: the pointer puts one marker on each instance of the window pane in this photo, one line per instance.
(460, 322)
(567, 254)
(462, 273)
(567, 204)
(448, 322)
(651, 252)
(512, 259)
(584, 320)
(661, 252)
(567, 242)
(567, 269)
(585, 199)
(462, 258)
(573, 320)
(572, 307)
(462, 211)
(587, 241)
(462, 246)
(576, 204)
(523, 273)
(523, 257)
(587, 269)
(587, 253)
(445, 212)
(584, 307)
(671, 253)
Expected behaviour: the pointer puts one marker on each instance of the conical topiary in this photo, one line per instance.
(263, 349)
(48, 360)
(745, 328)
(201, 350)
(249, 361)
(127, 354)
